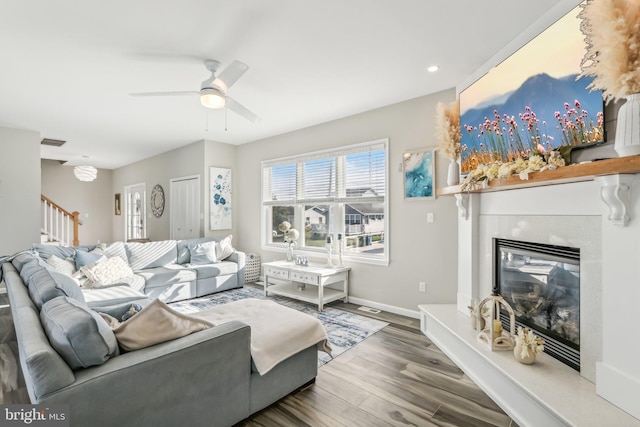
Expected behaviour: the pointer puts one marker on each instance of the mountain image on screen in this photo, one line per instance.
(549, 98)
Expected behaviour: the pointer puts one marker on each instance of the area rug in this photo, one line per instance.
(343, 328)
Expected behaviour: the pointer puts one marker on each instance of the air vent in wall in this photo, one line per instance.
(52, 142)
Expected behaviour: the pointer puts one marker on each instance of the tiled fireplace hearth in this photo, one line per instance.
(608, 237)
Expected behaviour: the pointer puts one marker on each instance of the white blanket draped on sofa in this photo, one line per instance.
(277, 332)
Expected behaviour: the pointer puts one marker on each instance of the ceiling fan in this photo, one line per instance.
(213, 91)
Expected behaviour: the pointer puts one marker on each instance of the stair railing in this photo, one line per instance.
(58, 224)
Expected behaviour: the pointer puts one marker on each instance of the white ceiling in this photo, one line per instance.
(67, 67)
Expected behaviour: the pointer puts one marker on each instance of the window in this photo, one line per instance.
(135, 209)
(339, 192)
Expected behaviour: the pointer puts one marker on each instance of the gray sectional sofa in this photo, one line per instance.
(163, 269)
(206, 378)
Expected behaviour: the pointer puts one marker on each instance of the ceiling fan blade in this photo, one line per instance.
(188, 92)
(241, 110)
(232, 73)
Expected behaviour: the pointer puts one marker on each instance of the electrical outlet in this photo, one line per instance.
(429, 217)
(422, 286)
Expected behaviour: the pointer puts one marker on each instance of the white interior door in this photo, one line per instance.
(184, 196)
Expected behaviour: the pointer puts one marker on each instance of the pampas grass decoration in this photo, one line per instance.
(612, 57)
(447, 130)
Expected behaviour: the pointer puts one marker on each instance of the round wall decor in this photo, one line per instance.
(157, 201)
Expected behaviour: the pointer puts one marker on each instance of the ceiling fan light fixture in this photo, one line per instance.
(85, 173)
(212, 98)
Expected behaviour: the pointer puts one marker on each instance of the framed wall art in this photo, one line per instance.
(117, 200)
(220, 206)
(419, 179)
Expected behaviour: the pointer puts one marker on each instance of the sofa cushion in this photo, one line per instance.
(115, 249)
(64, 266)
(22, 259)
(165, 276)
(183, 248)
(44, 285)
(106, 272)
(152, 254)
(214, 270)
(202, 253)
(87, 258)
(63, 252)
(77, 333)
(154, 324)
(111, 295)
(135, 281)
(29, 270)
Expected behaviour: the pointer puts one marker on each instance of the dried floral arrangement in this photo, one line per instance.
(612, 57)
(447, 129)
(522, 167)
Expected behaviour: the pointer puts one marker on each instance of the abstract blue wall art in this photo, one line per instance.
(220, 211)
(419, 179)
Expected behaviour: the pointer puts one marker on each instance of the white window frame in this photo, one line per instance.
(337, 204)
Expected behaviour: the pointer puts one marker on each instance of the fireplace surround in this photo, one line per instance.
(599, 215)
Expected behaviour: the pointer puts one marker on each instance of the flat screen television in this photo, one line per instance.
(532, 100)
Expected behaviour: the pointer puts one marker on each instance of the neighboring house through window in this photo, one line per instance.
(339, 192)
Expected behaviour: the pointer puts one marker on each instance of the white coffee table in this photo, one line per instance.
(316, 283)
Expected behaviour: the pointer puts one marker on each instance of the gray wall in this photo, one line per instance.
(419, 251)
(193, 159)
(93, 200)
(20, 189)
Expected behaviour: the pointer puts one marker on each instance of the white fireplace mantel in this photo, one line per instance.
(593, 209)
(522, 391)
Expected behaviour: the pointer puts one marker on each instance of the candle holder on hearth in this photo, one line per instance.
(493, 334)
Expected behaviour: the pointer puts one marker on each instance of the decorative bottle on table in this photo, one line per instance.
(329, 247)
(340, 249)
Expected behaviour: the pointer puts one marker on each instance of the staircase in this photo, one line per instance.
(59, 227)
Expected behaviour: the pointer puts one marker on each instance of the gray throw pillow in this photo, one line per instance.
(86, 258)
(203, 253)
(124, 311)
(77, 333)
(45, 285)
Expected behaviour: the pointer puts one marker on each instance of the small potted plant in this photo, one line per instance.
(527, 346)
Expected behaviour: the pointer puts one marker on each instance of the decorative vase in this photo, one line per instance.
(475, 320)
(528, 359)
(453, 173)
(627, 141)
(290, 256)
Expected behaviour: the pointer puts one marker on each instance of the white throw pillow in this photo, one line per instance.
(106, 272)
(64, 266)
(224, 248)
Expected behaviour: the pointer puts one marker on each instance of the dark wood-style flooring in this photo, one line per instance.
(396, 377)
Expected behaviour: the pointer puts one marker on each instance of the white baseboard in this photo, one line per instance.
(385, 307)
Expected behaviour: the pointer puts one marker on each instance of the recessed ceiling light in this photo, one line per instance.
(432, 69)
